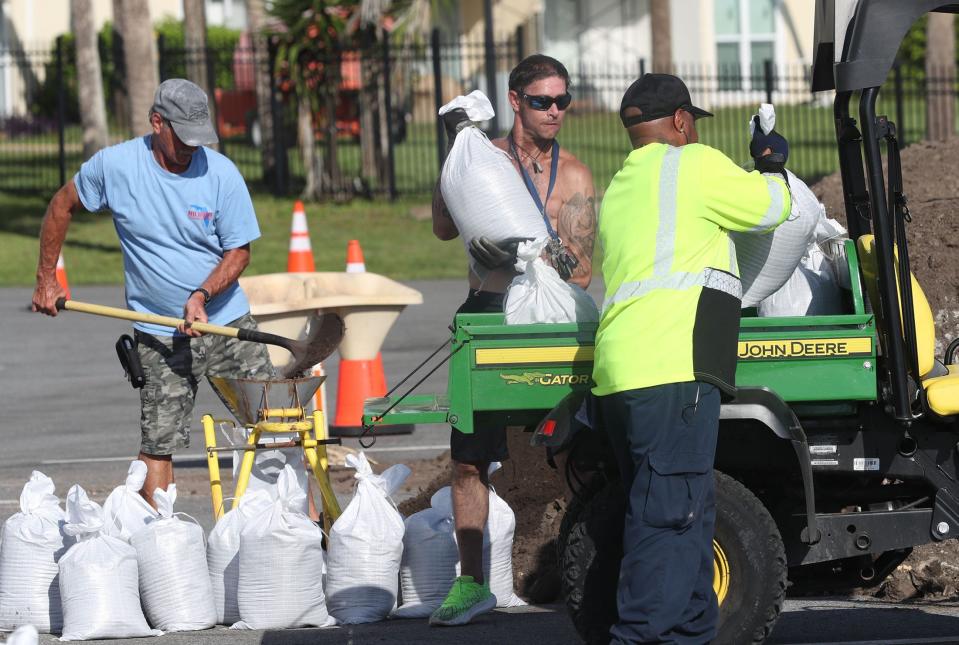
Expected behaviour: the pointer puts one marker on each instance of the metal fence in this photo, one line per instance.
(40, 139)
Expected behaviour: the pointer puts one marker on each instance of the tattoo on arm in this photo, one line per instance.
(577, 228)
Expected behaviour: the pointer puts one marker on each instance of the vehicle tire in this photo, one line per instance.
(591, 548)
(749, 569)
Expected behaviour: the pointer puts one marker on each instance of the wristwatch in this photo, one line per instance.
(206, 295)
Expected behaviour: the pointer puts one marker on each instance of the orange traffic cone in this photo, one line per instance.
(62, 275)
(300, 258)
(359, 379)
(354, 258)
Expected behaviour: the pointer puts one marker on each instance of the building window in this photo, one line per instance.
(745, 40)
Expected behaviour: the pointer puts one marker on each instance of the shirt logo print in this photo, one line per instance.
(200, 214)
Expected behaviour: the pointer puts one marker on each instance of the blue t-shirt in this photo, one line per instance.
(173, 228)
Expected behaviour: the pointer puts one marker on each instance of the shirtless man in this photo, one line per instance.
(539, 96)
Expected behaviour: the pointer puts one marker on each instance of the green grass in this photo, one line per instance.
(394, 243)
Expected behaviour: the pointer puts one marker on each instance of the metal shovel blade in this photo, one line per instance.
(326, 334)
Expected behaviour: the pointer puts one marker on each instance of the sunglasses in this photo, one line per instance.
(543, 103)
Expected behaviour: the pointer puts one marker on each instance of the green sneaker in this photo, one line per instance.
(465, 601)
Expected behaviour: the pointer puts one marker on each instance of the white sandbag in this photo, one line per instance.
(33, 542)
(366, 546)
(269, 463)
(815, 288)
(483, 191)
(223, 553)
(98, 578)
(539, 295)
(175, 586)
(767, 260)
(25, 635)
(430, 562)
(281, 565)
(497, 555)
(125, 510)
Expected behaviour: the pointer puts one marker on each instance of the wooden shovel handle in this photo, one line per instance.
(137, 316)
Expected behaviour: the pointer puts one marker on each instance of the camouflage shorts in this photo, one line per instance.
(174, 365)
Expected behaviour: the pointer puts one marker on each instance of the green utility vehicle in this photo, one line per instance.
(838, 454)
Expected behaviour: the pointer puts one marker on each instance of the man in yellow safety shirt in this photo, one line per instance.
(666, 350)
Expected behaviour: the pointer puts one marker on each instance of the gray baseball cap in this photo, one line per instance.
(184, 105)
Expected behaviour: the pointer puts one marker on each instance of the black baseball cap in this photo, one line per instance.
(657, 96)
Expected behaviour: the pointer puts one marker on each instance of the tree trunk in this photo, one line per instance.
(662, 38)
(940, 76)
(119, 93)
(139, 53)
(369, 104)
(263, 79)
(93, 114)
(312, 162)
(197, 62)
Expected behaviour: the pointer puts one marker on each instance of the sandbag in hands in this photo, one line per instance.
(483, 192)
(539, 295)
(767, 260)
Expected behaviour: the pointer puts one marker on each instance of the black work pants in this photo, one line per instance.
(664, 439)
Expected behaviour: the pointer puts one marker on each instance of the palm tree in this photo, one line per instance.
(93, 114)
(263, 81)
(194, 36)
(139, 53)
(659, 22)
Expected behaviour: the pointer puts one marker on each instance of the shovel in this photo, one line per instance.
(325, 333)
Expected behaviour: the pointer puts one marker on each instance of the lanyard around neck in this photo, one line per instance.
(531, 187)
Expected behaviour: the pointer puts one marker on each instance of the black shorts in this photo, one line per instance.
(487, 443)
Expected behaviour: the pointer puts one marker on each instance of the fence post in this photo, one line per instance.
(388, 100)
(438, 96)
(520, 43)
(490, 50)
(642, 67)
(900, 114)
(161, 56)
(280, 178)
(768, 69)
(61, 112)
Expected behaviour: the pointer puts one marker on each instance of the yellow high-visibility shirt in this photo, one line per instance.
(673, 293)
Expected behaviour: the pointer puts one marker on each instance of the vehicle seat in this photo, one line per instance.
(941, 385)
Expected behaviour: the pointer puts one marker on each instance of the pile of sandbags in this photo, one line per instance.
(223, 553)
(366, 546)
(33, 542)
(281, 564)
(175, 585)
(431, 560)
(815, 287)
(125, 510)
(99, 578)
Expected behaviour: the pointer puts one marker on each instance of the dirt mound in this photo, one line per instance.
(932, 190)
(535, 493)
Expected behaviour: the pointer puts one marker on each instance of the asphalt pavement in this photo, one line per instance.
(65, 409)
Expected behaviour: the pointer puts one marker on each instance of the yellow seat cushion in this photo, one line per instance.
(942, 392)
(925, 324)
